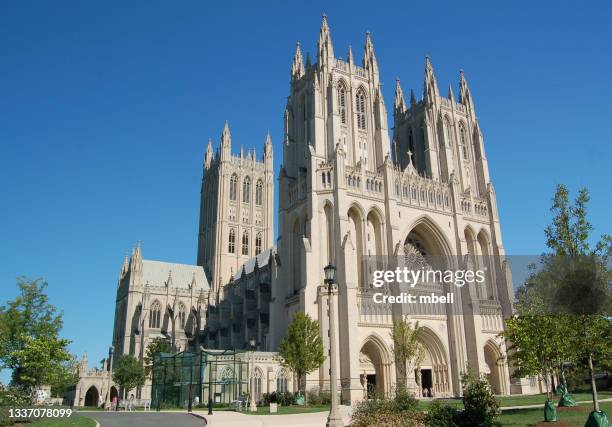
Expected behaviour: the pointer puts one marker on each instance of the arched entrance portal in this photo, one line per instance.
(92, 397)
(432, 377)
(374, 368)
(113, 393)
(495, 364)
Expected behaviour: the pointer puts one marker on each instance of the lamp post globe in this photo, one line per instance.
(330, 274)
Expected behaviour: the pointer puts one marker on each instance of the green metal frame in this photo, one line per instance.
(185, 379)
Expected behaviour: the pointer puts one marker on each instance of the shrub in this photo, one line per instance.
(286, 399)
(313, 397)
(268, 398)
(439, 414)
(13, 396)
(404, 401)
(325, 397)
(480, 406)
(317, 397)
(398, 412)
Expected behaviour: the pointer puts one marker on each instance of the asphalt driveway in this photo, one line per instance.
(145, 419)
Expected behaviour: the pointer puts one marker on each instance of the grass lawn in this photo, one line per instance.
(531, 417)
(73, 421)
(520, 400)
(536, 399)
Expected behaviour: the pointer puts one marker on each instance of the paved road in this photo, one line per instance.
(145, 419)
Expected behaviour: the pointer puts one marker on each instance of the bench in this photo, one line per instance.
(239, 404)
(136, 403)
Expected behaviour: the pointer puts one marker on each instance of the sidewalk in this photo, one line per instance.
(237, 419)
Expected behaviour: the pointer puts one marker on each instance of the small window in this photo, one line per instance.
(245, 243)
(232, 241)
(464, 147)
(233, 187)
(182, 315)
(361, 110)
(259, 193)
(342, 104)
(246, 190)
(258, 244)
(155, 315)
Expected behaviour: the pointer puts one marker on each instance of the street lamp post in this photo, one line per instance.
(334, 418)
(253, 405)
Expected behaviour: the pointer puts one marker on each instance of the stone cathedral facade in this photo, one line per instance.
(350, 189)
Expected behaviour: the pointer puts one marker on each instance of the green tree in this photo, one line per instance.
(582, 277)
(128, 373)
(30, 345)
(156, 346)
(302, 348)
(64, 379)
(408, 352)
(566, 304)
(539, 345)
(40, 361)
(29, 315)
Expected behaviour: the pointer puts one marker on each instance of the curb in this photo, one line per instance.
(200, 417)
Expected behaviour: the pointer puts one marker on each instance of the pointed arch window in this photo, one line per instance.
(462, 138)
(245, 243)
(233, 187)
(448, 133)
(342, 103)
(360, 108)
(258, 244)
(282, 381)
(259, 193)
(232, 241)
(246, 190)
(155, 315)
(182, 315)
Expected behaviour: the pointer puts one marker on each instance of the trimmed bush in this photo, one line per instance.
(398, 412)
(480, 406)
(441, 415)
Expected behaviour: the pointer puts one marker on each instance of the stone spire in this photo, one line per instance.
(297, 67)
(451, 95)
(208, 157)
(400, 103)
(125, 266)
(136, 261)
(268, 145)
(325, 48)
(226, 142)
(430, 90)
(413, 100)
(349, 56)
(465, 95)
(369, 58)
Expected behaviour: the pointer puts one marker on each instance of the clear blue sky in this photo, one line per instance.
(106, 109)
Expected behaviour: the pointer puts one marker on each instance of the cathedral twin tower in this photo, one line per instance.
(348, 191)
